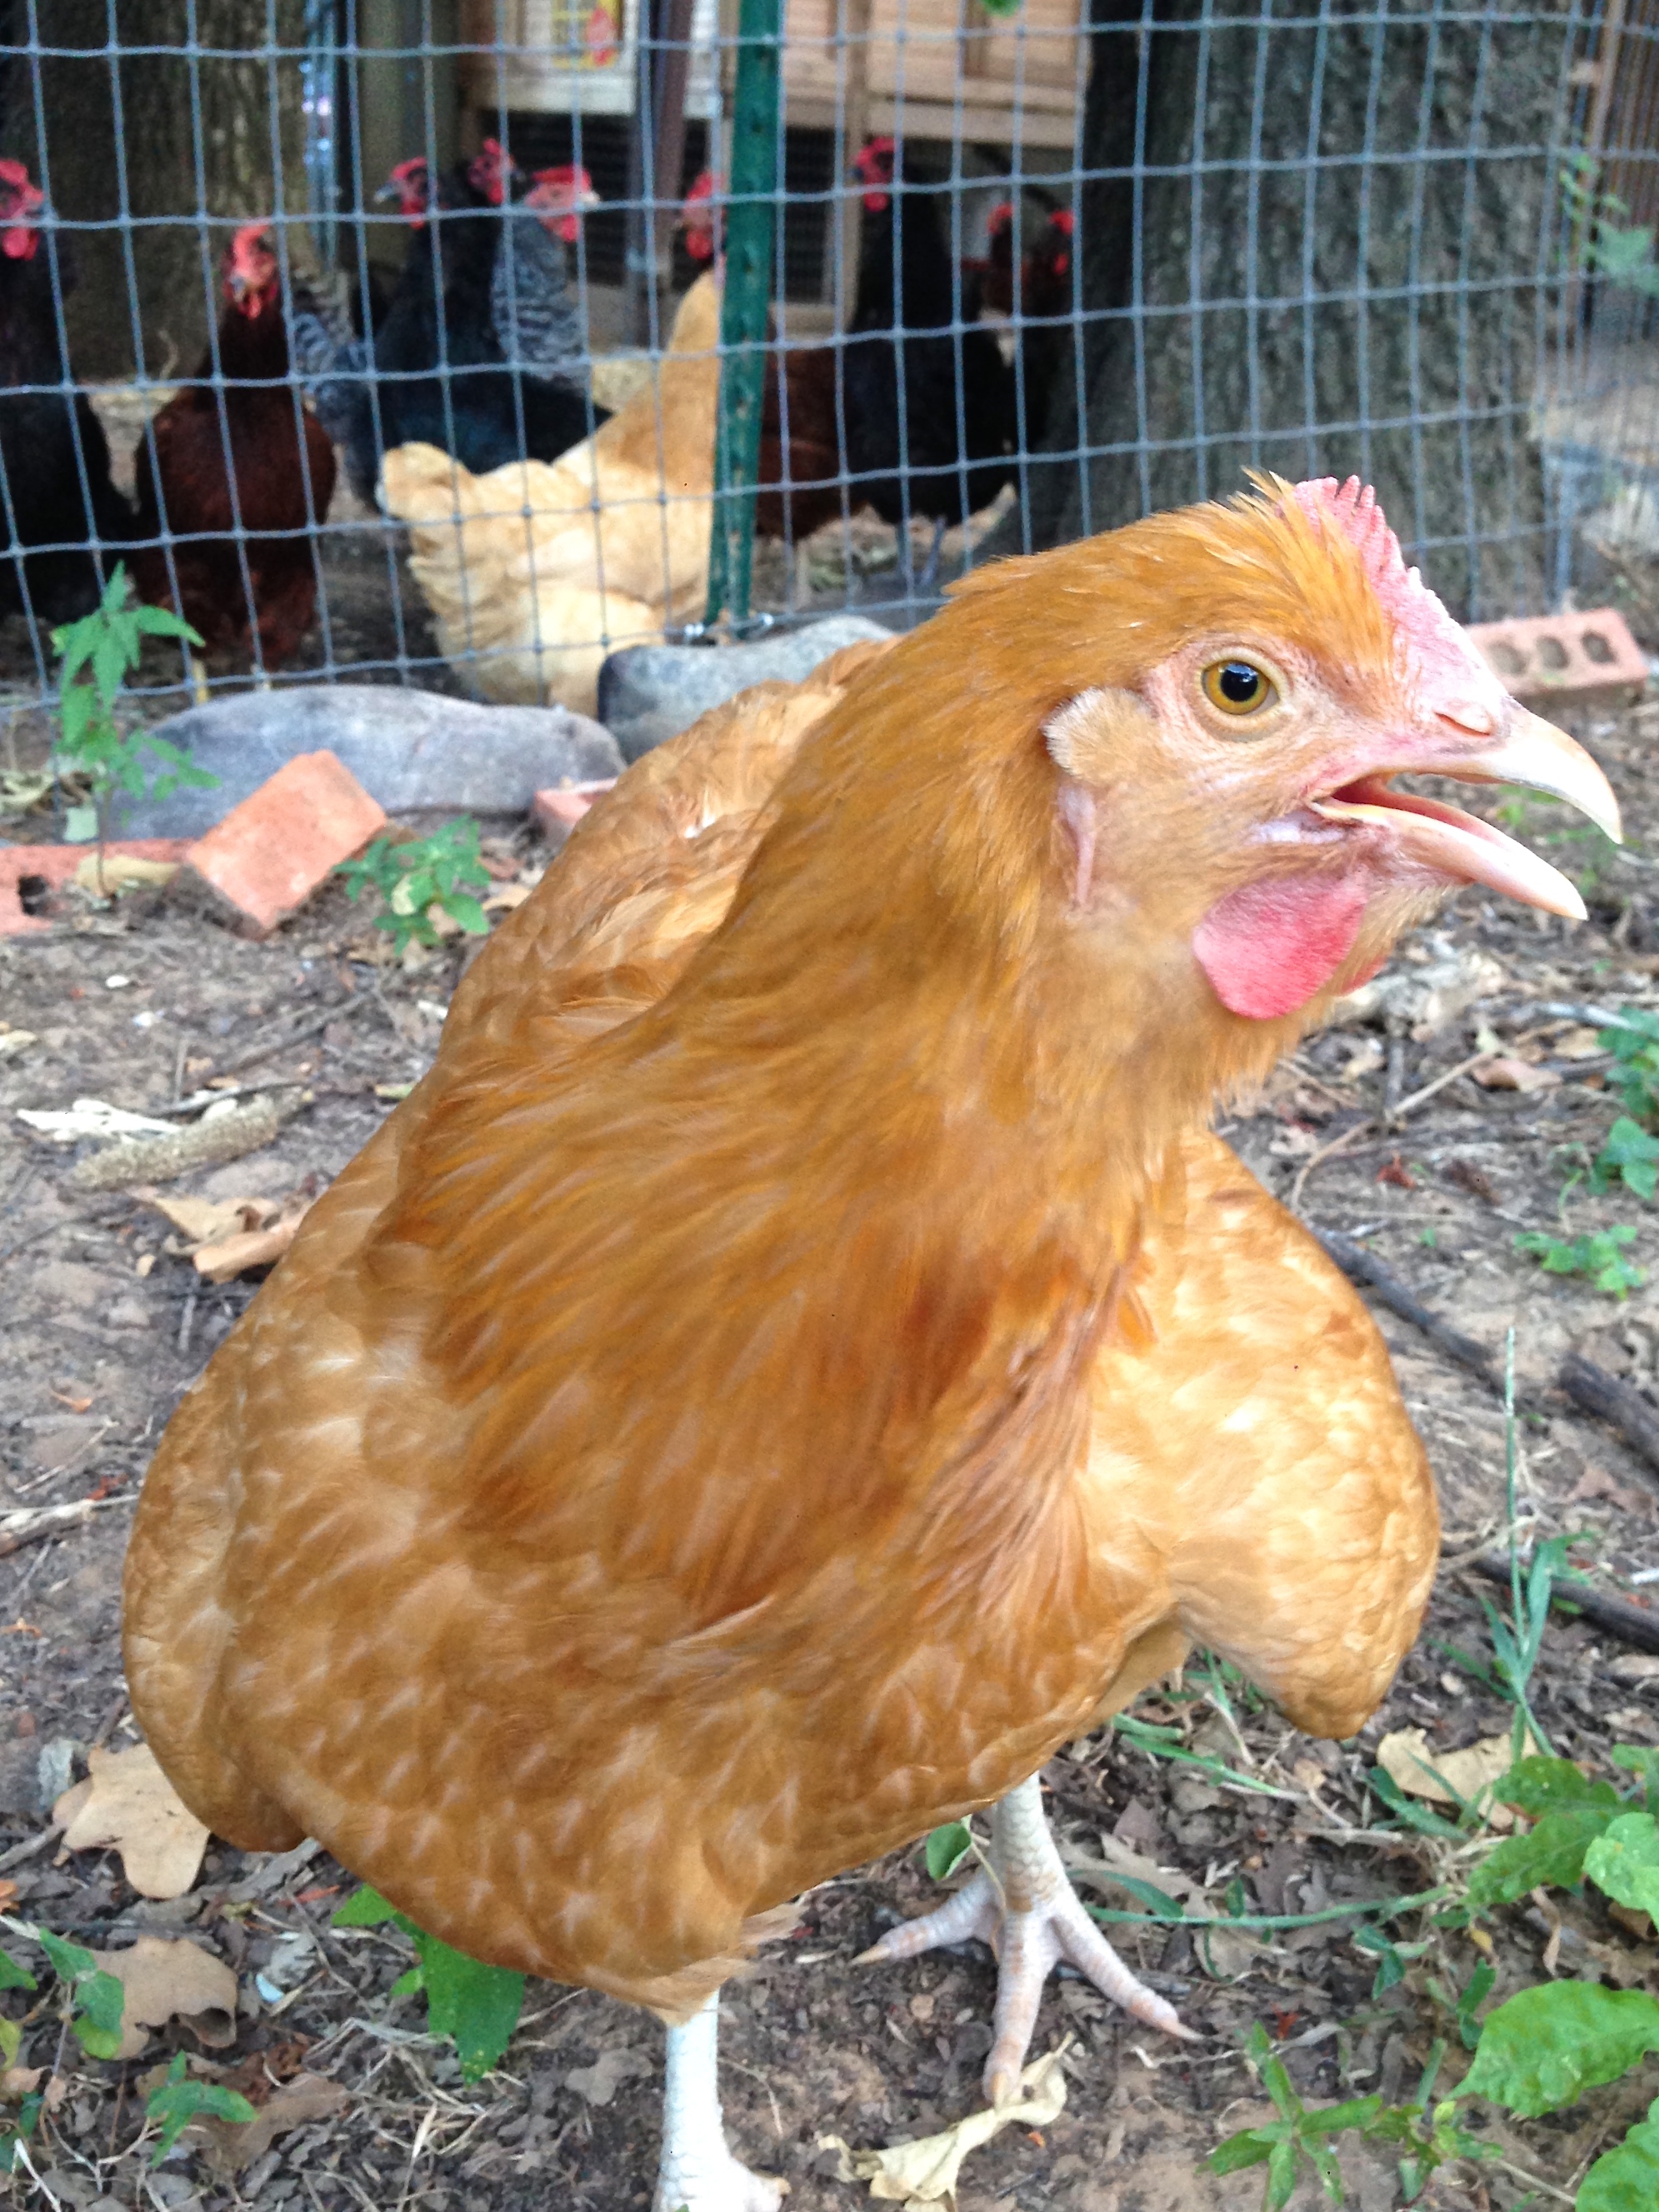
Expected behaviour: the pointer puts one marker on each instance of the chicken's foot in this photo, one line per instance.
(697, 2172)
(199, 680)
(1023, 1906)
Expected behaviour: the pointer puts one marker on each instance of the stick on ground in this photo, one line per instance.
(1619, 1404)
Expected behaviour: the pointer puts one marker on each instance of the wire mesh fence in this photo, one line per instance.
(450, 341)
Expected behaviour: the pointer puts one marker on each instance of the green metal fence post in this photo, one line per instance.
(749, 247)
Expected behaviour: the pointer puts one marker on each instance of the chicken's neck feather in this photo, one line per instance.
(826, 1240)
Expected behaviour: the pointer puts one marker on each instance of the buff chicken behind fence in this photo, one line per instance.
(798, 1357)
(537, 570)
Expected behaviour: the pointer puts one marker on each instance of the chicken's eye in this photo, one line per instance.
(1237, 686)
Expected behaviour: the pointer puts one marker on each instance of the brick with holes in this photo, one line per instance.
(30, 874)
(1579, 659)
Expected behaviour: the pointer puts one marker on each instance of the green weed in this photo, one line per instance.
(476, 2006)
(419, 874)
(181, 2099)
(96, 655)
(1599, 1254)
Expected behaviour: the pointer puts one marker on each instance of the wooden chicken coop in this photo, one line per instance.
(930, 69)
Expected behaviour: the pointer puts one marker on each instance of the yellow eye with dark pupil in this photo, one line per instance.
(1236, 686)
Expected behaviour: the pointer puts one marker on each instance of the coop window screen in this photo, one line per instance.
(1111, 263)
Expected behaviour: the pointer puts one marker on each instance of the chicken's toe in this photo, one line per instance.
(1023, 1906)
(721, 2184)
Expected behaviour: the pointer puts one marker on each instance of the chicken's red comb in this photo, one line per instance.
(1433, 639)
(999, 217)
(1063, 219)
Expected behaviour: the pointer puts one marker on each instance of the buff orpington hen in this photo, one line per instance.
(796, 1359)
(536, 571)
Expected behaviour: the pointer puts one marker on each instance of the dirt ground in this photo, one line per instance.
(105, 1324)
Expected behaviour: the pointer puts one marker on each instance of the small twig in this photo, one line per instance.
(35, 1845)
(1326, 1152)
(31, 1523)
(198, 1099)
(1619, 1404)
(1630, 1623)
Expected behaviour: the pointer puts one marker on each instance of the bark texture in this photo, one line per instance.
(181, 135)
(1334, 257)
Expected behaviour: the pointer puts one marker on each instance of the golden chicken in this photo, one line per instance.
(797, 1359)
(539, 569)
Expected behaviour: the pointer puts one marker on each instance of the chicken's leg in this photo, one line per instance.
(1023, 1906)
(697, 2172)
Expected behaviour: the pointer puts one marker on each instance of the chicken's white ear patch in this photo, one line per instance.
(1087, 737)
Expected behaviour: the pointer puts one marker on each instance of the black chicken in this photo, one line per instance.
(56, 495)
(482, 291)
(943, 449)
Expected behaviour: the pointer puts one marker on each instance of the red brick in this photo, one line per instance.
(55, 865)
(1577, 659)
(556, 813)
(266, 858)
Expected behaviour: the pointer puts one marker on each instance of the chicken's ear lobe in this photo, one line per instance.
(1092, 735)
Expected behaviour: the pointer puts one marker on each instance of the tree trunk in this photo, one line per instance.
(195, 137)
(1381, 308)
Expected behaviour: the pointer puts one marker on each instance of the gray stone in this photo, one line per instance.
(413, 750)
(650, 692)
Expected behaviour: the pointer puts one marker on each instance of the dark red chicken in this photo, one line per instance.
(230, 541)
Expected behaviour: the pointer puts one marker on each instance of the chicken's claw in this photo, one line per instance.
(1023, 1906)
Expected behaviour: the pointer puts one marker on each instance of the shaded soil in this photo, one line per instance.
(104, 1325)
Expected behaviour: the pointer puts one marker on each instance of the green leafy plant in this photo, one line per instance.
(420, 873)
(1599, 1255)
(1634, 1074)
(96, 655)
(181, 2099)
(1630, 1156)
(1608, 244)
(1423, 2135)
(476, 2006)
(94, 1998)
(947, 1849)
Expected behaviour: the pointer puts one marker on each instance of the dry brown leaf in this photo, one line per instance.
(924, 2172)
(166, 1980)
(116, 872)
(128, 1801)
(232, 2146)
(1442, 1778)
(1579, 1044)
(1506, 1073)
(204, 1220)
(230, 1256)
(506, 896)
(18, 2082)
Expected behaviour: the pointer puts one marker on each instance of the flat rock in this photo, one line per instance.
(651, 692)
(414, 751)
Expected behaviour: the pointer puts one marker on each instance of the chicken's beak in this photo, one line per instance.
(1534, 752)
(1527, 751)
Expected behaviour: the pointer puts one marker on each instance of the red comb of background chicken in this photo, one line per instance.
(20, 197)
(697, 217)
(489, 169)
(559, 196)
(251, 268)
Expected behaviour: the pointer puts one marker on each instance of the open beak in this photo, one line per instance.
(1527, 752)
